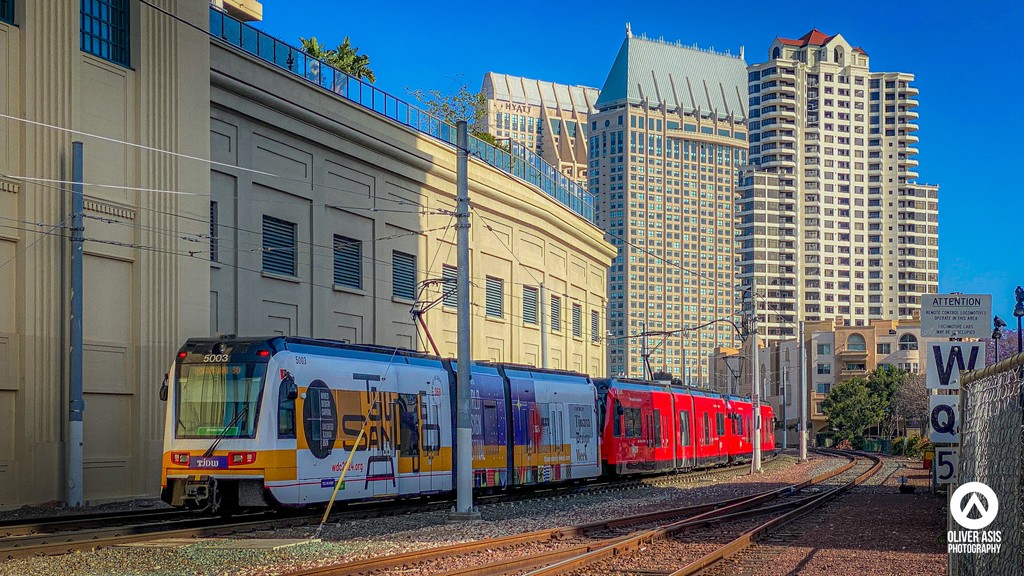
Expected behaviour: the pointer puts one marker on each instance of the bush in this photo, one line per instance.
(844, 445)
(899, 446)
(915, 446)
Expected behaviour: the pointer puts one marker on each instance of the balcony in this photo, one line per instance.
(519, 162)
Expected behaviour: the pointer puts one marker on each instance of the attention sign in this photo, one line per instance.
(956, 315)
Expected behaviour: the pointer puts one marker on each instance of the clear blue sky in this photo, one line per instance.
(966, 57)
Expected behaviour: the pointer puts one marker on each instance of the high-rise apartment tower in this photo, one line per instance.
(665, 147)
(832, 222)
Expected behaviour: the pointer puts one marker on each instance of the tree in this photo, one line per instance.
(850, 408)
(884, 383)
(1007, 347)
(345, 57)
(463, 104)
(911, 400)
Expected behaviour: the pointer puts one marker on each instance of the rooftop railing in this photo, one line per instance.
(517, 161)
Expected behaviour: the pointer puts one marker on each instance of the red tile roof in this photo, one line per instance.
(814, 37)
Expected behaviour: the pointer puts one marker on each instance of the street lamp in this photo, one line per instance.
(997, 323)
(1018, 311)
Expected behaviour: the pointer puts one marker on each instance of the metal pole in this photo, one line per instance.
(75, 402)
(755, 392)
(803, 397)
(464, 435)
(785, 382)
(1020, 338)
(543, 326)
(643, 348)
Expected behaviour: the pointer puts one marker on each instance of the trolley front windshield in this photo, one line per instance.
(215, 399)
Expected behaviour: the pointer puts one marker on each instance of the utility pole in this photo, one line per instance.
(755, 389)
(785, 383)
(643, 347)
(464, 434)
(76, 404)
(543, 326)
(803, 397)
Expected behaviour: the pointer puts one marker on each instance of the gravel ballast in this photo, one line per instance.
(357, 539)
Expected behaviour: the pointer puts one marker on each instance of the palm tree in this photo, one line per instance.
(345, 57)
(348, 60)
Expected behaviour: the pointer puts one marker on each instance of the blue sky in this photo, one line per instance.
(969, 125)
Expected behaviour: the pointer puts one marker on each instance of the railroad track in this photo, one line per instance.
(58, 535)
(559, 550)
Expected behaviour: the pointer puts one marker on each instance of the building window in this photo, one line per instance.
(450, 276)
(817, 408)
(105, 31)
(908, 342)
(595, 328)
(278, 246)
(495, 297)
(577, 320)
(824, 387)
(824, 349)
(403, 275)
(824, 368)
(884, 348)
(856, 343)
(530, 299)
(213, 229)
(556, 313)
(348, 262)
(7, 11)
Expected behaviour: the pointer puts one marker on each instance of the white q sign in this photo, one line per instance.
(943, 414)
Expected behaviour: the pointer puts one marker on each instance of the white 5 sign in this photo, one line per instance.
(947, 360)
(943, 413)
(947, 461)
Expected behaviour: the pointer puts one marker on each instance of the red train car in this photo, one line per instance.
(653, 428)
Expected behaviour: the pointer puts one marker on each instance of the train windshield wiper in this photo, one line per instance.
(224, 432)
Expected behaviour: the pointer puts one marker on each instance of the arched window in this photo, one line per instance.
(837, 55)
(908, 342)
(776, 53)
(856, 343)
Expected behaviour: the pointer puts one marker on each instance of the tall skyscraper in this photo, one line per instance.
(831, 220)
(549, 119)
(665, 147)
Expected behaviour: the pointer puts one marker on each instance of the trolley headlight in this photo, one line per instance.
(241, 458)
(180, 458)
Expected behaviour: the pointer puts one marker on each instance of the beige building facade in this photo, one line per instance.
(666, 145)
(834, 353)
(337, 222)
(549, 119)
(832, 221)
(128, 74)
(175, 249)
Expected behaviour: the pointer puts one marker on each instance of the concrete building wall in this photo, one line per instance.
(142, 296)
(331, 167)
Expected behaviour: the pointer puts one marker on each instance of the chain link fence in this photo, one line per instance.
(992, 452)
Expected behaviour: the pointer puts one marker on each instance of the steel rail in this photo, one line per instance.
(646, 537)
(750, 536)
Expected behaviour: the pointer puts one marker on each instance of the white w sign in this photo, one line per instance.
(947, 360)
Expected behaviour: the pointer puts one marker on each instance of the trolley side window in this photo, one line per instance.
(707, 429)
(408, 425)
(684, 428)
(634, 423)
(285, 411)
(657, 428)
(720, 424)
(617, 419)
